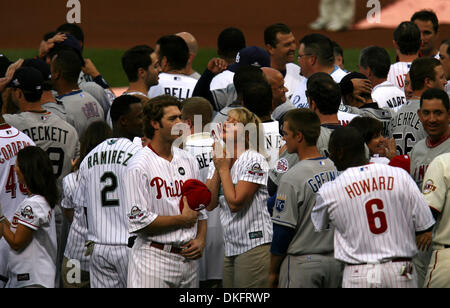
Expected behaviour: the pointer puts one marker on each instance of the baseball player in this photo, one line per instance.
(75, 249)
(80, 105)
(406, 44)
(200, 145)
(374, 63)
(173, 54)
(31, 234)
(13, 193)
(405, 126)
(436, 191)
(281, 45)
(434, 115)
(386, 210)
(168, 240)
(101, 191)
(295, 245)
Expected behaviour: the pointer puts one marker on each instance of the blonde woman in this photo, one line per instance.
(240, 175)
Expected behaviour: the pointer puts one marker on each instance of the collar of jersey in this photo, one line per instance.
(432, 144)
(70, 94)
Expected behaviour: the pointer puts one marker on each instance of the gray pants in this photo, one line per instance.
(311, 271)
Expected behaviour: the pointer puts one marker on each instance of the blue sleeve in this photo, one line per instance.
(282, 237)
(202, 87)
(271, 203)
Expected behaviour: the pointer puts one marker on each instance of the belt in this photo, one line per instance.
(446, 246)
(386, 261)
(161, 246)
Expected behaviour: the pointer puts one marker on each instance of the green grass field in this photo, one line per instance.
(108, 62)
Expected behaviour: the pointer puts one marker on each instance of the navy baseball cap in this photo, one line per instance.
(252, 55)
(4, 64)
(40, 65)
(71, 42)
(27, 79)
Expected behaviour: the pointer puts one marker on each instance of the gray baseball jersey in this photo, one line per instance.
(384, 115)
(83, 109)
(296, 197)
(52, 134)
(422, 154)
(405, 127)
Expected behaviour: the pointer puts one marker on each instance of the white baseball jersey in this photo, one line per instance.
(436, 192)
(211, 263)
(101, 190)
(221, 80)
(77, 237)
(422, 154)
(55, 136)
(36, 264)
(292, 79)
(376, 210)
(178, 85)
(273, 141)
(83, 109)
(153, 186)
(386, 95)
(12, 193)
(298, 98)
(251, 226)
(397, 74)
(405, 127)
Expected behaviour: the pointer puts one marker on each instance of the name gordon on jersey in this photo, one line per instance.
(10, 150)
(50, 133)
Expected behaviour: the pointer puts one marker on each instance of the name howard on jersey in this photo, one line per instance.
(369, 185)
(319, 179)
(50, 133)
(108, 157)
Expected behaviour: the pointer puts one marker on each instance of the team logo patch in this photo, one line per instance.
(282, 165)
(111, 142)
(256, 170)
(27, 213)
(280, 203)
(343, 108)
(135, 213)
(181, 171)
(429, 187)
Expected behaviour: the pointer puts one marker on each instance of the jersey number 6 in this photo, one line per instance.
(372, 216)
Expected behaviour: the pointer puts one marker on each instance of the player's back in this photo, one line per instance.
(384, 115)
(405, 127)
(272, 140)
(376, 210)
(101, 190)
(177, 85)
(52, 134)
(388, 96)
(201, 146)
(221, 80)
(292, 79)
(397, 74)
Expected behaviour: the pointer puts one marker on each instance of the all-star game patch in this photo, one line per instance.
(256, 170)
(282, 165)
(429, 187)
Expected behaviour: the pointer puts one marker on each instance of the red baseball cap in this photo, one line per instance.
(197, 194)
(401, 161)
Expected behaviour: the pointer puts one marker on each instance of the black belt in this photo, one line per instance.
(389, 260)
(173, 249)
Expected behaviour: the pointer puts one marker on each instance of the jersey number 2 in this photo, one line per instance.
(374, 217)
(108, 189)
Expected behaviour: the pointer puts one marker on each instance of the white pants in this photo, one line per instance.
(357, 276)
(108, 266)
(150, 267)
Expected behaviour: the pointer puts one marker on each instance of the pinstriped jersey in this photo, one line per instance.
(178, 85)
(397, 74)
(405, 127)
(421, 156)
(153, 188)
(52, 134)
(252, 225)
(77, 237)
(376, 210)
(296, 197)
(436, 191)
(101, 190)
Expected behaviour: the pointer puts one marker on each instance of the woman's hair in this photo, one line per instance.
(252, 141)
(96, 133)
(37, 170)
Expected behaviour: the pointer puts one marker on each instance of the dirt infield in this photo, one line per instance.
(121, 24)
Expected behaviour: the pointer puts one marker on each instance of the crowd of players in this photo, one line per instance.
(94, 184)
